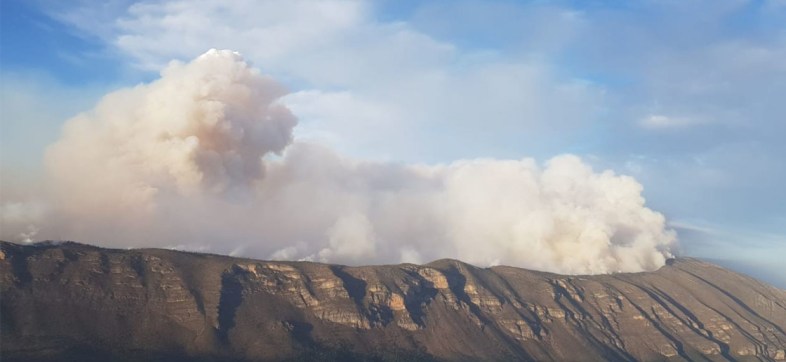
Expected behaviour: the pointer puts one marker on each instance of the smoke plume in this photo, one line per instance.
(203, 159)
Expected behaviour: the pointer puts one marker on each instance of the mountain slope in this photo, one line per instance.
(73, 301)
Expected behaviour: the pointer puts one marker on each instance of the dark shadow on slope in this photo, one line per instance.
(139, 265)
(356, 288)
(231, 297)
(419, 297)
(22, 273)
(301, 332)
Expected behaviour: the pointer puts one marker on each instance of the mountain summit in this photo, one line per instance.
(69, 301)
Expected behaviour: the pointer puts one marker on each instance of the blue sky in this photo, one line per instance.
(685, 96)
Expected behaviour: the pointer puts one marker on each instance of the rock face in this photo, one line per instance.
(76, 302)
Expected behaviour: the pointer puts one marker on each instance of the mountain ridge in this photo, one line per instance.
(165, 304)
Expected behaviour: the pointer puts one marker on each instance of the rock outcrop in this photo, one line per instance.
(79, 302)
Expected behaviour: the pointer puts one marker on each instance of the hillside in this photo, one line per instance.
(79, 302)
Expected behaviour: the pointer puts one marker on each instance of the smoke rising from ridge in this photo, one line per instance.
(203, 158)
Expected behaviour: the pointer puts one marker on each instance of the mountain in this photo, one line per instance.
(69, 301)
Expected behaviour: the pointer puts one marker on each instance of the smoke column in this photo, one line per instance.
(203, 159)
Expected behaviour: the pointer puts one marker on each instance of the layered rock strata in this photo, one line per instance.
(68, 300)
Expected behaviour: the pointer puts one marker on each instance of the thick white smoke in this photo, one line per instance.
(189, 161)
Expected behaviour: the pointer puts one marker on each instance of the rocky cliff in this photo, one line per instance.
(73, 301)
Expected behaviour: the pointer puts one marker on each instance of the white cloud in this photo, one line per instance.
(271, 32)
(400, 82)
(658, 121)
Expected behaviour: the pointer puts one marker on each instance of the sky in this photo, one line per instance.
(685, 97)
